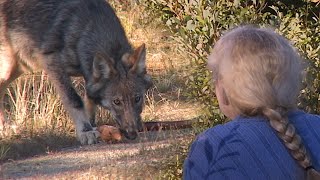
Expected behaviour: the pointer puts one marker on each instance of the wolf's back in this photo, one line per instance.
(54, 24)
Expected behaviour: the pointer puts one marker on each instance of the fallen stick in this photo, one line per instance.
(167, 125)
(113, 134)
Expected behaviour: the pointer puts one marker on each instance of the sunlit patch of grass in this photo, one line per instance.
(34, 106)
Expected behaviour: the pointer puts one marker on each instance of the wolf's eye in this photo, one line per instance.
(116, 102)
(137, 99)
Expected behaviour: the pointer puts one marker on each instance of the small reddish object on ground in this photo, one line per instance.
(109, 133)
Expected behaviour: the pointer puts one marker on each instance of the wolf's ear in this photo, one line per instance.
(138, 60)
(102, 66)
(148, 81)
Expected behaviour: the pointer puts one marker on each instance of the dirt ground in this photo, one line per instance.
(139, 159)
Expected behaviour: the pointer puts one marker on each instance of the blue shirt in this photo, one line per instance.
(249, 148)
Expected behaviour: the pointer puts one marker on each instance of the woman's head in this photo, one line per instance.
(255, 68)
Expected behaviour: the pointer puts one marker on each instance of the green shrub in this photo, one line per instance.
(198, 24)
(301, 25)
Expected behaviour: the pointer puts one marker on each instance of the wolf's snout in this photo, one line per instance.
(130, 134)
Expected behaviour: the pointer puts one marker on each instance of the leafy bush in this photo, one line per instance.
(198, 24)
(301, 24)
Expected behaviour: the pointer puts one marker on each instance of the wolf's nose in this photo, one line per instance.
(130, 134)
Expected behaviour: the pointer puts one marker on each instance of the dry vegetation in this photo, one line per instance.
(41, 127)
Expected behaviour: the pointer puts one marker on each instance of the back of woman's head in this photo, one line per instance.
(258, 69)
(260, 73)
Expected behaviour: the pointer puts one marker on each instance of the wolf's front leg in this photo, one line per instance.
(9, 71)
(90, 108)
(86, 134)
(73, 104)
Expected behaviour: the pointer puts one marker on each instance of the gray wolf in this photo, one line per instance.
(75, 38)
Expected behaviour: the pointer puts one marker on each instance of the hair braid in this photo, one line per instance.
(286, 131)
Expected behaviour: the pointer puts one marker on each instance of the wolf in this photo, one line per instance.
(76, 38)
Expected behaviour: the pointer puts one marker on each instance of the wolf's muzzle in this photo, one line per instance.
(129, 134)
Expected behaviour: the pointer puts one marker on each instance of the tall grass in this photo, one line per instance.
(33, 105)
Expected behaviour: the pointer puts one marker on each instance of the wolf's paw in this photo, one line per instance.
(88, 137)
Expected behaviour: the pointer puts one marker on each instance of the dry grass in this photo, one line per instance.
(34, 106)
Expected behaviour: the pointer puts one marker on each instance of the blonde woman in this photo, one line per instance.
(257, 76)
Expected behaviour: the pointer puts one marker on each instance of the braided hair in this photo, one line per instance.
(270, 71)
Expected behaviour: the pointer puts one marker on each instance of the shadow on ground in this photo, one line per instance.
(137, 159)
(23, 147)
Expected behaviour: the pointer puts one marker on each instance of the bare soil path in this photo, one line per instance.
(140, 159)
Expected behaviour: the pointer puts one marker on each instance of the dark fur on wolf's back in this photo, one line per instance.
(76, 38)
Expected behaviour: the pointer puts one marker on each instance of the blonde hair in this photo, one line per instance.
(261, 75)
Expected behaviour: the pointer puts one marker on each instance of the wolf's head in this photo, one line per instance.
(119, 86)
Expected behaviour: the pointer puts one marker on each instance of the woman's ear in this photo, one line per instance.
(225, 97)
(223, 100)
(221, 93)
